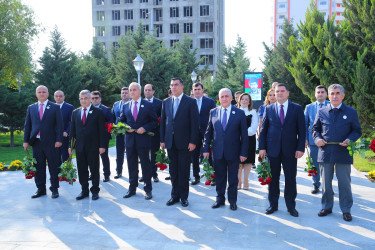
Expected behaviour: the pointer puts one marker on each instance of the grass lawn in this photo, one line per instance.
(367, 164)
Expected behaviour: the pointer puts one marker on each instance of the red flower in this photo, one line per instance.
(74, 180)
(210, 150)
(159, 165)
(259, 158)
(60, 179)
(263, 183)
(260, 179)
(159, 119)
(208, 182)
(309, 175)
(213, 176)
(163, 166)
(268, 180)
(109, 127)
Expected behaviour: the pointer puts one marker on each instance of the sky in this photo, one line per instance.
(250, 19)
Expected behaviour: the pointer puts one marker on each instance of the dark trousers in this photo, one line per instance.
(86, 159)
(120, 152)
(179, 169)
(195, 156)
(155, 145)
(290, 173)
(132, 158)
(64, 149)
(226, 171)
(43, 153)
(105, 161)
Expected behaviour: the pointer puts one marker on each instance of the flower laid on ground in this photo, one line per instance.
(264, 171)
(360, 147)
(15, 165)
(161, 159)
(372, 174)
(68, 171)
(2, 165)
(208, 171)
(109, 127)
(310, 169)
(121, 128)
(28, 166)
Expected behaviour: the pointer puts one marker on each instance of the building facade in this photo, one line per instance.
(168, 20)
(296, 10)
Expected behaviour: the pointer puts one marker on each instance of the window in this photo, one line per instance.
(205, 10)
(207, 43)
(280, 27)
(174, 42)
(128, 14)
(115, 15)
(157, 2)
(281, 16)
(159, 29)
(158, 14)
(323, 3)
(115, 1)
(128, 28)
(174, 0)
(188, 28)
(188, 11)
(145, 28)
(143, 1)
(100, 15)
(143, 13)
(207, 59)
(207, 27)
(174, 12)
(175, 28)
(282, 6)
(99, 2)
(128, 1)
(115, 44)
(116, 30)
(100, 31)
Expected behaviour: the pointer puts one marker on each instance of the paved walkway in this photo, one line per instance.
(113, 222)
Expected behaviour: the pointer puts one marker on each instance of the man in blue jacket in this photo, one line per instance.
(334, 127)
(310, 114)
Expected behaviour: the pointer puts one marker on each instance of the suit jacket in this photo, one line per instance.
(117, 110)
(66, 111)
(50, 127)
(108, 118)
(146, 118)
(231, 143)
(90, 136)
(156, 106)
(310, 113)
(204, 113)
(184, 128)
(287, 138)
(336, 128)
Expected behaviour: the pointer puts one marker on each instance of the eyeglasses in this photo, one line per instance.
(95, 98)
(84, 98)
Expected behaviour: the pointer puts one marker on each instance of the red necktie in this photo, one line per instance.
(84, 117)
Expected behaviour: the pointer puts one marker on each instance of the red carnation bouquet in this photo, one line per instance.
(68, 171)
(121, 128)
(209, 171)
(361, 147)
(162, 159)
(264, 171)
(310, 169)
(109, 127)
(28, 166)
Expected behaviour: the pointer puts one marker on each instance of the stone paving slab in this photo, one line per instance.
(135, 223)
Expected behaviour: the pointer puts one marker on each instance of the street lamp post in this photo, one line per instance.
(19, 80)
(138, 65)
(193, 77)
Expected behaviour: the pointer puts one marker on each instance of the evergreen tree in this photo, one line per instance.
(59, 69)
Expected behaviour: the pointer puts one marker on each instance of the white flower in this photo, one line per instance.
(90, 112)
(344, 117)
(233, 112)
(142, 106)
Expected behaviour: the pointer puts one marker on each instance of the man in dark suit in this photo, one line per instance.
(336, 123)
(228, 129)
(140, 116)
(149, 92)
(120, 139)
(96, 99)
(66, 111)
(179, 130)
(282, 139)
(204, 105)
(44, 131)
(87, 128)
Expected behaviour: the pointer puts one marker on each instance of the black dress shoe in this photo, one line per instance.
(172, 201)
(39, 193)
(129, 194)
(218, 204)
(141, 179)
(213, 183)
(196, 181)
(106, 179)
(156, 179)
(148, 195)
(90, 178)
(271, 210)
(293, 212)
(233, 206)
(347, 216)
(55, 194)
(167, 178)
(184, 203)
(315, 189)
(82, 196)
(324, 212)
(95, 196)
(118, 176)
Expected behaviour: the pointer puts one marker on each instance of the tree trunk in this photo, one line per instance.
(12, 139)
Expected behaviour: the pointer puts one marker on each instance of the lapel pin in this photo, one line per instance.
(344, 117)
(90, 112)
(142, 106)
(233, 112)
(48, 107)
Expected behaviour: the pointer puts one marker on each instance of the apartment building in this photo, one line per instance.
(168, 20)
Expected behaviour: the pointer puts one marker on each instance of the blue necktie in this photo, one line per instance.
(224, 120)
(175, 106)
(199, 104)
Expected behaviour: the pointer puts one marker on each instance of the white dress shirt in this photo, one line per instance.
(87, 111)
(138, 105)
(285, 107)
(228, 113)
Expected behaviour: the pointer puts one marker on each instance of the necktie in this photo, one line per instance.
(135, 111)
(282, 114)
(320, 105)
(40, 114)
(199, 104)
(84, 117)
(175, 106)
(224, 120)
